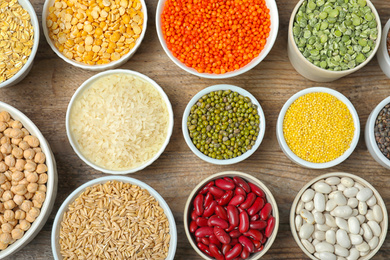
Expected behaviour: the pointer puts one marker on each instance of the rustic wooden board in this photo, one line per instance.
(44, 95)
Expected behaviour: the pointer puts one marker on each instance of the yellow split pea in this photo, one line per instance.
(95, 31)
(318, 127)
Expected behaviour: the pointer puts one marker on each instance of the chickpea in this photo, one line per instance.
(30, 166)
(25, 131)
(17, 233)
(19, 165)
(32, 177)
(40, 196)
(2, 207)
(5, 238)
(16, 141)
(42, 178)
(2, 220)
(10, 204)
(1, 157)
(6, 228)
(24, 181)
(24, 225)
(37, 149)
(13, 222)
(17, 152)
(8, 174)
(40, 157)
(6, 185)
(30, 218)
(37, 204)
(3, 126)
(28, 195)
(32, 141)
(32, 187)
(42, 187)
(16, 124)
(18, 199)
(6, 148)
(3, 246)
(5, 116)
(9, 215)
(7, 132)
(23, 145)
(29, 154)
(41, 168)
(7, 195)
(26, 206)
(16, 133)
(10, 160)
(20, 214)
(17, 176)
(5, 140)
(21, 189)
(3, 166)
(3, 178)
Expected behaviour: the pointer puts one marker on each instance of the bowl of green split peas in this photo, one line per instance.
(223, 124)
(329, 39)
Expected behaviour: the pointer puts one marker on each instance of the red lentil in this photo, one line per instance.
(215, 36)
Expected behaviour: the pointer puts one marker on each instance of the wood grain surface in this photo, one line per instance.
(44, 95)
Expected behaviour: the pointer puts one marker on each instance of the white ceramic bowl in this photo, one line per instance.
(51, 184)
(287, 151)
(312, 72)
(85, 86)
(205, 91)
(369, 135)
(274, 17)
(383, 54)
(22, 73)
(249, 178)
(108, 66)
(358, 179)
(55, 233)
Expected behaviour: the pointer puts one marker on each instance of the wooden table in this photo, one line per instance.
(44, 95)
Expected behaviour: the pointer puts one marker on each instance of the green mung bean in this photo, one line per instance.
(335, 34)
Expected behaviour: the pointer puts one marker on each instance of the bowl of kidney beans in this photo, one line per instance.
(231, 215)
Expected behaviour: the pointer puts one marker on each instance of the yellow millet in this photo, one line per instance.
(318, 127)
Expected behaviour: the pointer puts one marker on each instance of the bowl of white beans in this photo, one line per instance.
(339, 216)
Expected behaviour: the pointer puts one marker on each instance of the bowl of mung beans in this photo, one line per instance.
(114, 217)
(214, 40)
(318, 128)
(28, 180)
(377, 133)
(94, 35)
(383, 54)
(330, 39)
(223, 124)
(19, 28)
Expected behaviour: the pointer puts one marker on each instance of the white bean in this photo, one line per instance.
(371, 201)
(358, 185)
(355, 212)
(367, 232)
(378, 214)
(309, 247)
(340, 251)
(307, 216)
(375, 228)
(319, 218)
(319, 202)
(327, 256)
(333, 180)
(353, 254)
(306, 231)
(324, 247)
(361, 219)
(370, 215)
(341, 187)
(300, 206)
(340, 199)
(364, 253)
(353, 202)
(309, 205)
(315, 242)
(342, 238)
(329, 220)
(342, 211)
(342, 223)
(322, 187)
(363, 247)
(323, 227)
(350, 192)
(356, 239)
(373, 243)
(364, 194)
(330, 205)
(353, 225)
(347, 182)
(308, 195)
(298, 222)
(362, 208)
(319, 235)
(330, 237)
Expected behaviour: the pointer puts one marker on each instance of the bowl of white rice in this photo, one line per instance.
(119, 121)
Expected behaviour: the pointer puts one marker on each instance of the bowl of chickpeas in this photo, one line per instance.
(94, 35)
(28, 180)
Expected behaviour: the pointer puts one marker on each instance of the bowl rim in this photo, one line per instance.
(340, 73)
(286, 149)
(355, 178)
(84, 86)
(27, 66)
(371, 126)
(274, 28)
(77, 192)
(383, 55)
(237, 159)
(112, 64)
(51, 184)
(247, 177)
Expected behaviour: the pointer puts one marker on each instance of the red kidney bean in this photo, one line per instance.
(234, 252)
(210, 209)
(245, 253)
(218, 222)
(208, 199)
(234, 241)
(198, 204)
(202, 222)
(235, 233)
(224, 184)
(205, 240)
(256, 190)
(256, 243)
(221, 212)
(215, 252)
(255, 217)
(230, 228)
(250, 199)
(224, 200)
(225, 248)
(237, 200)
(266, 211)
(193, 215)
(240, 209)
(213, 239)
(264, 239)
(198, 239)
(217, 192)
(205, 249)
(206, 188)
(259, 224)
(256, 206)
(247, 243)
(232, 213)
(221, 235)
(259, 249)
(241, 183)
(204, 232)
(244, 222)
(193, 226)
(239, 191)
(254, 233)
(270, 226)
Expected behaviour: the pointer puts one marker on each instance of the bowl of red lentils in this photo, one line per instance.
(318, 128)
(94, 35)
(219, 39)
